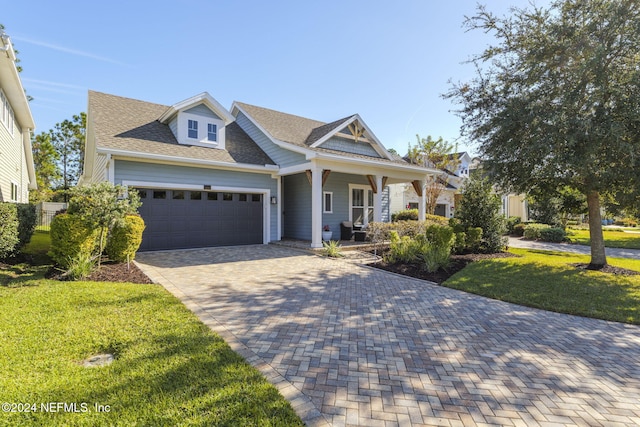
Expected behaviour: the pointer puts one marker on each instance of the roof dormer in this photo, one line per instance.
(199, 120)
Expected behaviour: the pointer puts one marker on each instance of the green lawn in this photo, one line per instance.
(612, 239)
(170, 369)
(545, 280)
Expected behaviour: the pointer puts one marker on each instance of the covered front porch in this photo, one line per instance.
(327, 191)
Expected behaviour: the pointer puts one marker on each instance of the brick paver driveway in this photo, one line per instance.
(351, 345)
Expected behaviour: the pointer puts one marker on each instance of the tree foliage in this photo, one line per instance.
(45, 158)
(68, 138)
(102, 206)
(437, 154)
(479, 207)
(555, 102)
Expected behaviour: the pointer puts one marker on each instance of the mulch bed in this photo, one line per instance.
(119, 272)
(609, 269)
(109, 271)
(458, 262)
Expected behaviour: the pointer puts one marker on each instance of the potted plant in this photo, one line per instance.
(326, 233)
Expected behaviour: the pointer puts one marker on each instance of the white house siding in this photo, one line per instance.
(129, 171)
(13, 165)
(279, 155)
(350, 146)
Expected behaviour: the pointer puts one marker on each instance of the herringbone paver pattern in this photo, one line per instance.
(352, 345)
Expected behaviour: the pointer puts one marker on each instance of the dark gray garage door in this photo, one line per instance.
(177, 219)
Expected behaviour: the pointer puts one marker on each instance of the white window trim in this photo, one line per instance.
(366, 206)
(203, 130)
(7, 116)
(14, 197)
(324, 202)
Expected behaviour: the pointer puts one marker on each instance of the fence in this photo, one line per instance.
(45, 211)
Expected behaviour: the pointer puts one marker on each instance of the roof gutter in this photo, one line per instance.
(408, 167)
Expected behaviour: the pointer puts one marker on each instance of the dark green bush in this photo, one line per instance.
(407, 214)
(518, 229)
(532, 231)
(26, 223)
(8, 229)
(512, 221)
(71, 239)
(553, 234)
(125, 239)
(480, 207)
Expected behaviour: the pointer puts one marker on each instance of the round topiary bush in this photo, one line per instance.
(125, 239)
(70, 238)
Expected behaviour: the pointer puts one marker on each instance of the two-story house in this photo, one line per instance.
(17, 172)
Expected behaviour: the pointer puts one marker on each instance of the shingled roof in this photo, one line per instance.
(132, 125)
(304, 132)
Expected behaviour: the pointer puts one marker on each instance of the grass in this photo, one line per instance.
(546, 280)
(612, 239)
(169, 368)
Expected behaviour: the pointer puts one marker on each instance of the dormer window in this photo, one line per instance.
(212, 132)
(192, 127)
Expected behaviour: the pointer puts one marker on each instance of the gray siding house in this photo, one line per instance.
(215, 177)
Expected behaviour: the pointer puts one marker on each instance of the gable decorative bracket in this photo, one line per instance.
(417, 187)
(372, 183)
(325, 176)
(356, 130)
(309, 177)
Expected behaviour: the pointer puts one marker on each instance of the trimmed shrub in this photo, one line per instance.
(407, 214)
(532, 231)
(474, 238)
(26, 223)
(553, 234)
(125, 239)
(71, 239)
(436, 251)
(512, 221)
(518, 229)
(460, 242)
(402, 249)
(437, 219)
(8, 229)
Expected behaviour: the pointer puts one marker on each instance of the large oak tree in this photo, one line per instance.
(556, 101)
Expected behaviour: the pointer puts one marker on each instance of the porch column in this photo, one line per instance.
(422, 205)
(316, 208)
(377, 200)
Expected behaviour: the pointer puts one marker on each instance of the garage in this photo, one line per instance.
(179, 219)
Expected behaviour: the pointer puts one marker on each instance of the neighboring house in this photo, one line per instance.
(211, 177)
(17, 172)
(404, 196)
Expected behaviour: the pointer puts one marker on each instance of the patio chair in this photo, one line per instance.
(346, 230)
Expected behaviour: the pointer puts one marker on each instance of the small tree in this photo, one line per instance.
(102, 206)
(437, 154)
(479, 207)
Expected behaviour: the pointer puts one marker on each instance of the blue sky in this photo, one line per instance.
(387, 61)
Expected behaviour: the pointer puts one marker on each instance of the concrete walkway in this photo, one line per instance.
(516, 242)
(351, 345)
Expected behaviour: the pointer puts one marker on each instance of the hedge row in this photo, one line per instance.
(17, 223)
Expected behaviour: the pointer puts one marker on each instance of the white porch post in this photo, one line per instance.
(422, 205)
(316, 207)
(377, 200)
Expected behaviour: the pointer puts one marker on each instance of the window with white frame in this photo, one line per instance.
(192, 126)
(195, 129)
(212, 132)
(7, 116)
(327, 202)
(14, 192)
(360, 204)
